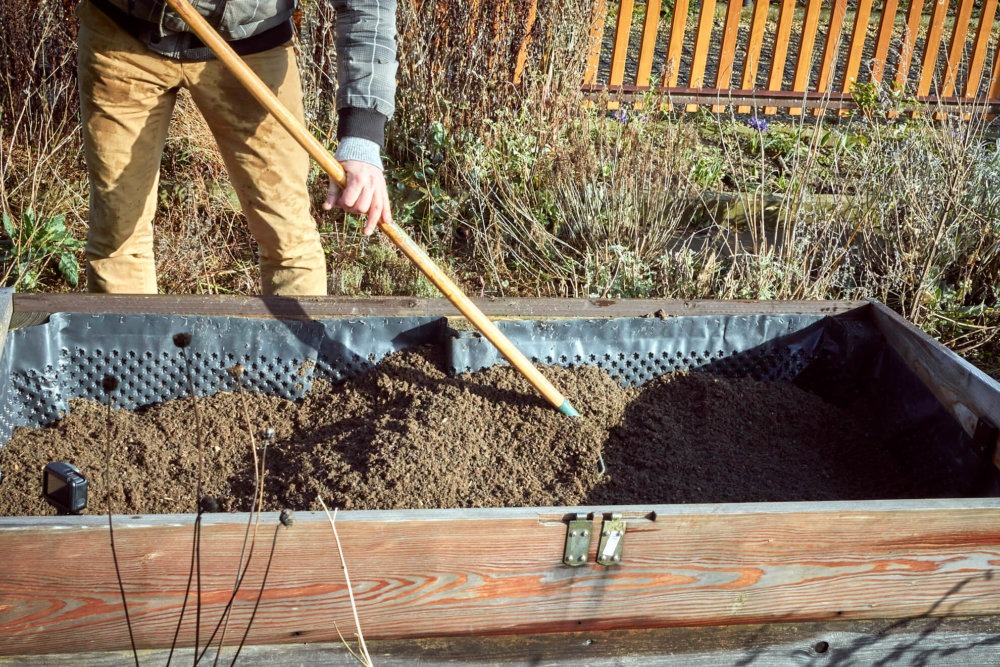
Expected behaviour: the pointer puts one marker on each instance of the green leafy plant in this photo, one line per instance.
(34, 246)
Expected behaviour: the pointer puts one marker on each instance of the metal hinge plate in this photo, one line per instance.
(578, 536)
(609, 551)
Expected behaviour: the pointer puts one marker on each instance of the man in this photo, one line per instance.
(135, 55)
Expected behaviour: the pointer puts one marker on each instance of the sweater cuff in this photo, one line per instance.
(363, 150)
(363, 123)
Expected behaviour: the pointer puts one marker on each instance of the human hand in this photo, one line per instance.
(365, 194)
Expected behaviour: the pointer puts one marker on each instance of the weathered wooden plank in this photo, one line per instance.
(326, 307)
(956, 48)
(943, 642)
(468, 572)
(964, 390)
(702, 46)
(619, 53)
(803, 65)
(979, 48)
(885, 27)
(648, 48)
(758, 24)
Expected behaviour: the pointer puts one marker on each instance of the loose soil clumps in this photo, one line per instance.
(406, 435)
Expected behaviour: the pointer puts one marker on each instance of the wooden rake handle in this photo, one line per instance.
(331, 166)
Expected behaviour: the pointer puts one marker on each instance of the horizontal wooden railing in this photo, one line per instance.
(783, 54)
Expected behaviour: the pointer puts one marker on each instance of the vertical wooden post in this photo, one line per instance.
(830, 49)
(522, 55)
(596, 39)
(886, 24)
(908, 46)
(727, 52)
(932, 46)
(995, 80)
(702, 43)
(620, 52)
(956, 49)
(857, 46)
(803, 66)
(757, 25)
(781, 40)
(675, 45)
(979, 48)
(648, 47)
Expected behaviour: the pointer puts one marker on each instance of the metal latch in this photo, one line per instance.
(609, 551)
(578, 536)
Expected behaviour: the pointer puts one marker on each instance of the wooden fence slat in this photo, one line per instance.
(909, 42)
(702, 44)
(956, 50)
(979, 48)
(857, 47)
(757, 26)
(596, 39)
(932, 47)
(675, 46)
(886, 24)
(995, 79)
(522, 55)
(830, 49)
(619, 53)
(648, 46)
(727, 54)
(782, 38)
(803, 66)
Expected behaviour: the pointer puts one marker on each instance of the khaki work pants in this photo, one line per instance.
(127, 96)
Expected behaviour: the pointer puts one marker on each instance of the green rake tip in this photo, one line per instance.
(568, 409)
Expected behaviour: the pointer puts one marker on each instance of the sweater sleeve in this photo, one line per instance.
(366, 67)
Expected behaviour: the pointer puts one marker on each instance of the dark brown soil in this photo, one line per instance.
(406, 435)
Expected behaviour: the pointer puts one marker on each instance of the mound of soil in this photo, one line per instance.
(406, 435)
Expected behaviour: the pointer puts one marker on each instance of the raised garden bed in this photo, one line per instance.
(475, 572)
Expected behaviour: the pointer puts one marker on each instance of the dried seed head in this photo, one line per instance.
(236, 370)
(287, 518)
(109, 383)
(182, 340)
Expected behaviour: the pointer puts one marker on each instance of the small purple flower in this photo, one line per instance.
(621, 116)
(758, 124)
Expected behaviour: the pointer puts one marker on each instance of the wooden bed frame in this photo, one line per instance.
(494, 578)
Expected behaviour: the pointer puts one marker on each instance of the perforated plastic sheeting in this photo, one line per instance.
(636, 350)
(69, 356)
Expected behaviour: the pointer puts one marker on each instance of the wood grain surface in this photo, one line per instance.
(498, 571)
(323, 307)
